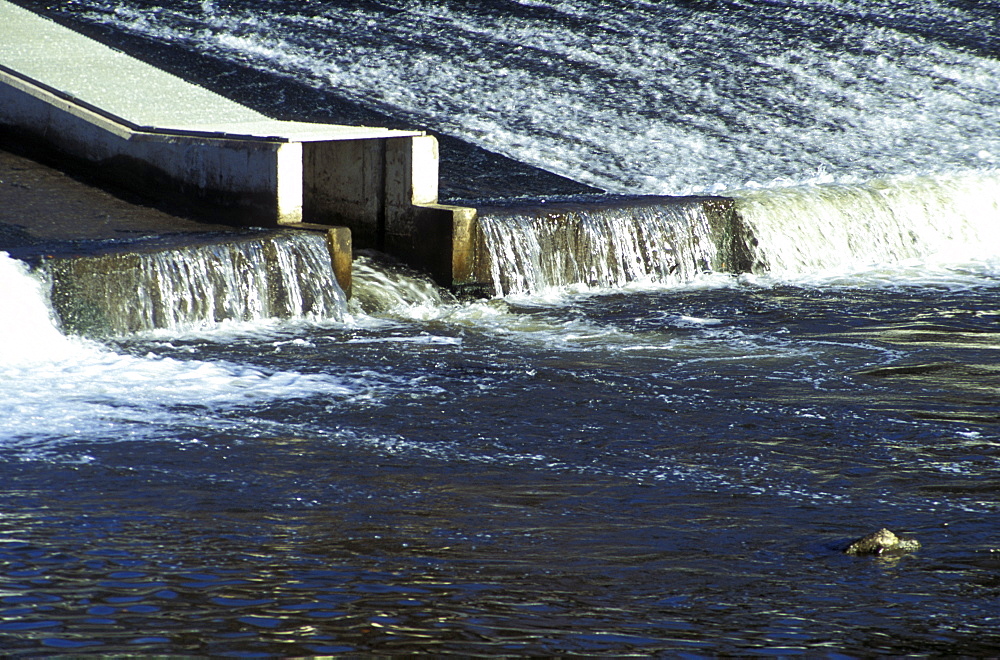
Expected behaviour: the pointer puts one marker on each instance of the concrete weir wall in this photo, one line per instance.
(606, 242)
(367, 187)
(146, 129)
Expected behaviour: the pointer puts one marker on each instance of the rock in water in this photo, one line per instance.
(880, 542)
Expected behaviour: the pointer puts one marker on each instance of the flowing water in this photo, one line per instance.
(631, 459)
(145, 285)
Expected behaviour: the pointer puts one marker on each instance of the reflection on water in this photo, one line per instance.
(650, 472)
(639, 472)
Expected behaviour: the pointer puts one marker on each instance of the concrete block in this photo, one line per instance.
(344, 184)
(435, 238)
(411, 179)
(338, 242)
(470, 260)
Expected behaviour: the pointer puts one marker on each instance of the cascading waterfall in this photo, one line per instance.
(381, 287)
(601, 245)
(278, 275)
(805, 229)
(790, 231)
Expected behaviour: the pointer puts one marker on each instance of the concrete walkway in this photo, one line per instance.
(136, 94)
(156, 134)
(152, 131)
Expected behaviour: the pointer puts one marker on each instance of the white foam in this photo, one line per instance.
(53, 386)
(28, 330)
(636, 98)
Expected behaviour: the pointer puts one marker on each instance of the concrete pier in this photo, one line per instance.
(161, 136)
(156, 132)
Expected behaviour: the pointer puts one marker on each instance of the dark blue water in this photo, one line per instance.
(659, 469)
(647, 472)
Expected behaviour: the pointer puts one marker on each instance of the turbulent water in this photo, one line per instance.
(258, 276)
(663, 98)
(665, 464)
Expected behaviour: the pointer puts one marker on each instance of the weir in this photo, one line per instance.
(157, 134)
(158, 285)
(791, 231)
(376, 188)
(610, 243)
(805, 229)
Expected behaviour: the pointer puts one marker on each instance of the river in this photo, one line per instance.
(665, 464)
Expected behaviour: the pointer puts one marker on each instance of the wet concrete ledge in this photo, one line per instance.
(367, 187)
(56, 208)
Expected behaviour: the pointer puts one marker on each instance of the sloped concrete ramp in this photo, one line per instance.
(135, 94)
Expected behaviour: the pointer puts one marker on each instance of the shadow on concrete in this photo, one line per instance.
(52, 204)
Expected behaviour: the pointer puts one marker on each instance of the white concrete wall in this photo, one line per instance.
(264, 176)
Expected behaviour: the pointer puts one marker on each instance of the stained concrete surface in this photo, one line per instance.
(43, 208)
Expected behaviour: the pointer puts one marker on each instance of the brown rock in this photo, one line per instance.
(880, 542)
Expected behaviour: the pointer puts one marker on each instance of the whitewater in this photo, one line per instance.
(637, 97)
(645, 457)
